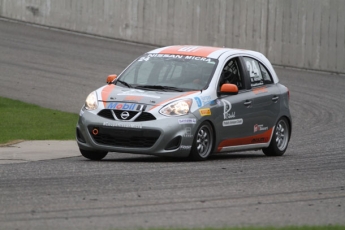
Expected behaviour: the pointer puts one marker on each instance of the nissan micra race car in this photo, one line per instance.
(188, 101)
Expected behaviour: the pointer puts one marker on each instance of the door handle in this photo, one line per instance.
(247, 103)
(275, 98)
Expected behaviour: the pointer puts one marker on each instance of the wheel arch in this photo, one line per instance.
(214, 135)
(290, 124)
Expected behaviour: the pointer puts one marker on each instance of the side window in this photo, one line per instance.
(265, 74)
(231, 74)
(252, 66)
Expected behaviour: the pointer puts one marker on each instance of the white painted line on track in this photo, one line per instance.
(38, 150)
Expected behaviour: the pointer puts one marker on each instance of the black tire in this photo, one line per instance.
(202, 143)
(93, 155)
(280, 139)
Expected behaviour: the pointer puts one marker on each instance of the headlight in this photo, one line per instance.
(91, 102)
(177, 108)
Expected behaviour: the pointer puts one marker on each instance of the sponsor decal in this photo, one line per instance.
(227, 108)
(123, 106)
(138, 93)
(258, 84)
(122, 125)
(258, 128)
(260, 140)
(219, 102)
(188, 132)
(198, 101)
(254, 79)
(206, 100)
(177, 56)
(245, 140)
(187, 121)
(233, 122)
(205, 112)
(185, 147)
(144, 59)
(212, 102)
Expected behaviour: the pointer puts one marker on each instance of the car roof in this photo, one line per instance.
(214, 52)
(203, 51)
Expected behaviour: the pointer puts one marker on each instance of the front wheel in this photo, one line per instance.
(93, 155)
(280, 139)
(202, 143)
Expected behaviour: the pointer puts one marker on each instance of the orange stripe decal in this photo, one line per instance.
(260, 90)
(256, 139)
(200, 51)
(106, 92)
(133, 98)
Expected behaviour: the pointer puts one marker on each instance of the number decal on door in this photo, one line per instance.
(252, 68)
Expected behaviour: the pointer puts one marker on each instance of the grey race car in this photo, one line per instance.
(188, 101)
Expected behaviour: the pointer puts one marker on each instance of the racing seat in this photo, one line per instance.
(231, 78)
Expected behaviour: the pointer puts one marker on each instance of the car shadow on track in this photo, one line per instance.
(133, 158)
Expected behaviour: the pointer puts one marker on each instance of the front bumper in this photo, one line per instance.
(166, 136)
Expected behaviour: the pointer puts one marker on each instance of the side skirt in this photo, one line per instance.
(236, 148)
(244, 147)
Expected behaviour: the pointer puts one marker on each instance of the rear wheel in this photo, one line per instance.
(280, 139)
(93, 155)
(202, 143)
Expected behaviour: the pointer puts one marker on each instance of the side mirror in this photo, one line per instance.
(228, 89)
(111, 78)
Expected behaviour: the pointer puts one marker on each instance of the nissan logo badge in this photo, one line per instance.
(124, 115)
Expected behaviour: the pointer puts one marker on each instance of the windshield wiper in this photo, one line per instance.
(162, 87)
(124, 83)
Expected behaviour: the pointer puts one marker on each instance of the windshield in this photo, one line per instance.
(169, 72)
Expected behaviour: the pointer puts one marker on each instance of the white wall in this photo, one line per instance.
(306, 34)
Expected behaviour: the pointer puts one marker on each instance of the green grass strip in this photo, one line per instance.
(22, 121)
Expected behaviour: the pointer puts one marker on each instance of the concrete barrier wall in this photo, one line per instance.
(306, 34)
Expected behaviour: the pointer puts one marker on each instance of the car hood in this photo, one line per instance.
(112, 94)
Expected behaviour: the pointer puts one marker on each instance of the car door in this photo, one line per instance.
(265, 97)
(234, 112)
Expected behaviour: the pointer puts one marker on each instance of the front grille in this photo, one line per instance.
(106, 113)
(131, 114)
(125, 137)
(144, 116)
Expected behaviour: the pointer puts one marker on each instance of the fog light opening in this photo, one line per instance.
(174, 143)
(95, 131)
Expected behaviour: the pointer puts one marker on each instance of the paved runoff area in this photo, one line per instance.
(27, 151)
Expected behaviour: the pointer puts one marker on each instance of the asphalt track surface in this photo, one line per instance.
(56, 69)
